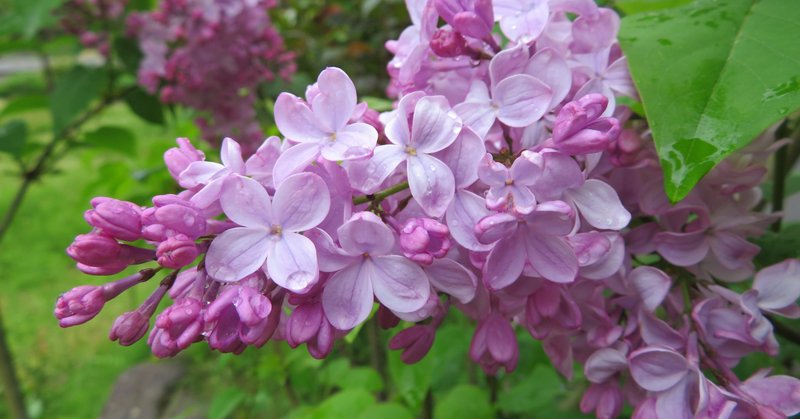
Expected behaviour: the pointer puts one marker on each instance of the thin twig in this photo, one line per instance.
(34, 173)
(784, 331)
(380, 196)
(16, 402)
(377, 354)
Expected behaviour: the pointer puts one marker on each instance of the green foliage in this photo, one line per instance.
(638, 6)
(712, 75)
(778, 246)
(112, 138)
(464, 401)
(13, 136)
(24, 103)
(145, 106)
(73, 93)
(27, 17)
(225, 402)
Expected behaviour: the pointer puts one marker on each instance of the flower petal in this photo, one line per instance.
(657, 369)
(778, 285)
(365, 232)
(231, 156)
(651, 285)
(336, 100)
(435, 125)
(293, 160)
(522, 99)
(399, 284)
(505, 262)
(347, 297)
(463, 157)
(451, 277)
(246, 202)
(462, 215)
(366, 176)
(552, 257)
(600, 206)
(431, 182)
(296, 121)
(551, 68)
(292, 263)
(237, 252)
(199, 173)
(603, 364)
(682, 249)
(354, 141)
(331, 258)
(301, 202)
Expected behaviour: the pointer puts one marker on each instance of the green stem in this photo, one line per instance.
(377, 354)
(380, 196)
(16, 402)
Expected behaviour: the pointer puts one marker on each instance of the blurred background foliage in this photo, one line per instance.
(49, 82)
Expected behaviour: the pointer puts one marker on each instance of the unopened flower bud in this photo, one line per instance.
(423, 239)
(79, 305)
(95, 249)
(119, 219)
(415, 342)
(129, 327)
(448, 43)
(178, 158)
(176, 252)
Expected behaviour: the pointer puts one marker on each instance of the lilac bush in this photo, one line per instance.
(212, 56)
(509, 183)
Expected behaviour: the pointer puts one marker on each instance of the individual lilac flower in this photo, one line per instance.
(177, 159)
(610, 80)
(550, 308)
(365, 269)
(509, 189)
(779, 393)
(423, 239)
(516, 101)
(211, 175)
(261, 165)
(240, 315)
(322, 128)
(432, 128)
(119, 219)
(605, 400)
(269, 231)
(778, 288)
(177, 327)
(494, 345)
(535, 239)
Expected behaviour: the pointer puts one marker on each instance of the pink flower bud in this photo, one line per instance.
(178, 159)
(79, 305)
(415, 342)
(129, 327)
(176, 252)
(580, 129)
(423, 239)
(448, 43)
(494, 345)
(95, 250)
(170, 216)
(177, 327)
(120, 219)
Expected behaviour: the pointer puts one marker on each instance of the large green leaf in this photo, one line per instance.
(464, 401)
(638, 6)
(712, 76)
(13, 136)
(73, 92)
(119, 139)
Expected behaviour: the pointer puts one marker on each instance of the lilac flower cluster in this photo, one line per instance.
(211, 55)
(91, 21)
(506, 184)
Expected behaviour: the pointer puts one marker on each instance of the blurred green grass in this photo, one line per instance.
(68, 373)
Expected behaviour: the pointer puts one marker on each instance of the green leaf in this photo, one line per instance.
(24, 103)
(792, 187)
(145, 105)
(411, 382)
(129, 53)
(386, 411)
(28, 16)
(121, 140)
(343, 405)
(378, 104)
(13, 136)
(777, 247)
(224, 403)
(73, 92)
(464, 401)
(538, 391)
(712, 75)
(638, 6)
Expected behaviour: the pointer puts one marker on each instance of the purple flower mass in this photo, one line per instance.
(508, 183)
